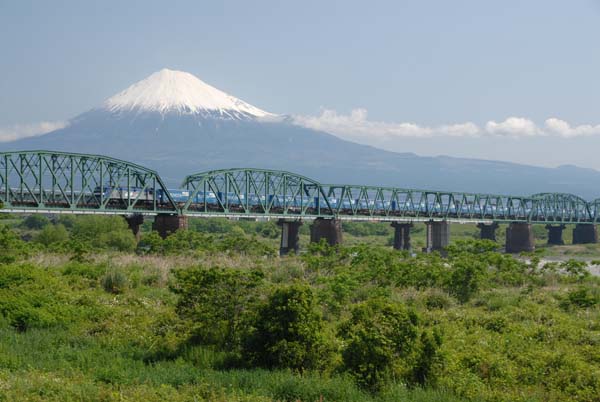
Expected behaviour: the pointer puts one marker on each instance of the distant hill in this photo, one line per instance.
(177, 124)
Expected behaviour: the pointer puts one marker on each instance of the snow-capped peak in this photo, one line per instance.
(176, 91)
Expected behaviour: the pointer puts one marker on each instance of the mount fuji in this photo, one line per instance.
(176, 124)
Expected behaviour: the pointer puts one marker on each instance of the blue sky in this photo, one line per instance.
(464, 78)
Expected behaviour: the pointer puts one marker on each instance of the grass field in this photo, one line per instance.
(88, 318)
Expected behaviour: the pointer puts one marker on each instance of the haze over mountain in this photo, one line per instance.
(177, 124)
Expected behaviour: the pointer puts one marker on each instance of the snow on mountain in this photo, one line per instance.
(168, 91)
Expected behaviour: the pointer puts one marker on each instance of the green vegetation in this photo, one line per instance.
(213, 314)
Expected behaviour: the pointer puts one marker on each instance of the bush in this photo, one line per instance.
(119, 240)
(150, 243)
(211, 225)
(583, 297)
(185, 241)
(52, 234)
(288, 332)
(466, 278)
(362, 229)
(104, 232)
(239, 243)
(216, 302)
(576, 270)
(268, 230)
(114, 281)
(35, 222)
(429, 361)
(85, 270)
(32, 297)
(380, 338)
(11, 247)
(437, 300)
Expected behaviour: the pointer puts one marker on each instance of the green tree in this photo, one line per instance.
(429, 359)
(466, 278)
(104, 232)
(288, 331)
(52, 234)
(35, 221)
(216, 302)
(380, 338)
(185, 241)
(151, 243)
(471, 246)
(11, 246)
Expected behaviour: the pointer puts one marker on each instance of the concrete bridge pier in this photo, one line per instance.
(134, 222)
(328, 229)
(289, 236)
(585, 234)
(555, 235)
(519, 237)
(438, 235)
(401, 235)
(488, 232)
(169, 224)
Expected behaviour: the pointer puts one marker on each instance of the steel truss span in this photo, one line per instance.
(284, 194)
(58, 182)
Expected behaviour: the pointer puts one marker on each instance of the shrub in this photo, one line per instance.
(52, 234)
(361, 229)
(215, 302)
(150, 243)
(583, 297)
(35, 222)
(380, 337)
(185, 241)
(437, 300)
(32, 297)
(268, 230)
(466, 278)
(120, 240)
(574, 269)
(211, 225)
(11, 247)
(114, 281)
(239, 243)
(288, 331)
(429, 359)
(104, 232)
(84, 270)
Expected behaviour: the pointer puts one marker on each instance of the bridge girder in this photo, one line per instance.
(49, 181)
(231, 191)
(563, 207)
(70, 182)
(254, 191)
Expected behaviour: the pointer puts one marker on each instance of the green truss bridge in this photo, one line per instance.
(58, 182)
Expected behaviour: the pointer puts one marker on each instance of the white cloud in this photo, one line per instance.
(19, 131)
(460, 130)
(564, 129)
(357, 126)
(513, 127)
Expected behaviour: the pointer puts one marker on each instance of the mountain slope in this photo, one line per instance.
(177, 126)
